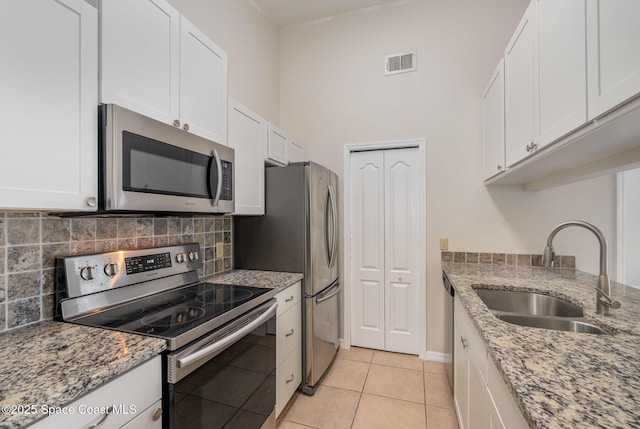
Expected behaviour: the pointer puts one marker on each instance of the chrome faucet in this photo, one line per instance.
(604, 303)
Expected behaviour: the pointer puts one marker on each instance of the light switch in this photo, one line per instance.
(444, 244)
(219, 249)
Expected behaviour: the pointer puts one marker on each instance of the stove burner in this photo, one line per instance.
(173, 316)
(227, 295)
(129, 314)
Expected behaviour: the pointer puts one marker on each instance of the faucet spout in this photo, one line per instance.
(604, 303)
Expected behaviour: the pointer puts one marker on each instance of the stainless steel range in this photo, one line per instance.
(157, 292)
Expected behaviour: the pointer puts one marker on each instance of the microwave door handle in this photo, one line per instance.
(216, 197)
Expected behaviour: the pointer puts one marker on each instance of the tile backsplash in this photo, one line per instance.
(527, 260)
(29, 243)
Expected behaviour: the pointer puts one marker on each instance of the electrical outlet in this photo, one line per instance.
(444, 244)
(219, 249)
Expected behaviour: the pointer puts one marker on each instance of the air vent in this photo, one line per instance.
(400, 63)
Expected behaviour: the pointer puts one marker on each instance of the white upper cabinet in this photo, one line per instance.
(493, 123)
(203, 84)
(149, 83)
(582, 59)
(519, 88)
(48, 82)
(155, 62)
(295, 152)
(282, 149)
(561, 81)
(277, 145)
(248, 138)
(613, 50)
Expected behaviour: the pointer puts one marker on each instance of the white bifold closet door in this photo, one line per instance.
(384, 210)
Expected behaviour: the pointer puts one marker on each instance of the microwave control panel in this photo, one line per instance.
(227, 181)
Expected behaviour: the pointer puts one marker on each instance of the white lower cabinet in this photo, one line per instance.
(481, 398)
(288, 345)
(132, 401)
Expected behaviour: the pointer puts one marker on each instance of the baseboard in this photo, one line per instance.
(436, 356)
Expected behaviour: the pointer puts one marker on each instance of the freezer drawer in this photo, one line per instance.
(321, 335)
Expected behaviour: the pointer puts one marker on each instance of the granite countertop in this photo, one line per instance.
(560, 379)
(55, 363)
(255, 278)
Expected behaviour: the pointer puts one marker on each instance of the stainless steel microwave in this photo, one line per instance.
(146, 166)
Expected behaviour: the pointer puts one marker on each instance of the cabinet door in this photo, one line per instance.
(248, 138)
(294, 152)
(519, 90)
(493, 123)
(613, 52)
(277, 145)
(203, 84)
(478, 413)
(49, 52)
(460, 376)
(140, 44)
(561, 81)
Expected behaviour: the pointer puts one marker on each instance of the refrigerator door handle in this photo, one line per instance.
(334, 239)
(320, 299)
(328, 246)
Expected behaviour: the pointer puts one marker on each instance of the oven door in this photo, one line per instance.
(151, 166)
(226, 379)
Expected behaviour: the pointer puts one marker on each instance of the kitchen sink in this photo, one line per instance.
(555, 323)
(528, 303)
(537, 310)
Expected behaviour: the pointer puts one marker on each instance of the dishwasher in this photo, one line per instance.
(448, 326)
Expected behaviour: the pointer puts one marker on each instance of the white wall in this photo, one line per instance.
(252, 43)
(333, 92)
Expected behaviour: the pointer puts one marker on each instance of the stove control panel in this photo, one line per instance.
(87, 274)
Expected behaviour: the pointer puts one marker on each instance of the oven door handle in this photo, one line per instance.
(225, 342)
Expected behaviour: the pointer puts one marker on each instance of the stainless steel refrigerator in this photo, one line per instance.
(299, 233)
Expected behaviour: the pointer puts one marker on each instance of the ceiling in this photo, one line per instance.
(290, 12)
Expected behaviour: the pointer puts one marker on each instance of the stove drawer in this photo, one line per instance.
(128, 396)
(288, 297)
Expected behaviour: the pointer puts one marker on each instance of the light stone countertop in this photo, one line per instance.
(560, 379)
(55, 363)
(255, 278)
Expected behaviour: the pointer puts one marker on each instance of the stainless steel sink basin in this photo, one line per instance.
(555, 323)
(528, 303)
(537, 311)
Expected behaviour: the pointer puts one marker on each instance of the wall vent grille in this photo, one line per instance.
(400, 63)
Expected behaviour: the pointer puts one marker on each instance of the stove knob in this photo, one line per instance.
(111, 269)
(180, 258)
(87, 273)
(193, 256)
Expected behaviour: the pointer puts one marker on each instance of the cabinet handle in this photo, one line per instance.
(92, 201)
(186, 127)
(109, 411)
(176, 123)
(289, 299)
(290, 379)
(288, 334)
(157, 414)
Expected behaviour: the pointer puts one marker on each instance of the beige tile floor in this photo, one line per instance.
(375, 389)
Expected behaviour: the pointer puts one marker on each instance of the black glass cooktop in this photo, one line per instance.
(173, 313)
